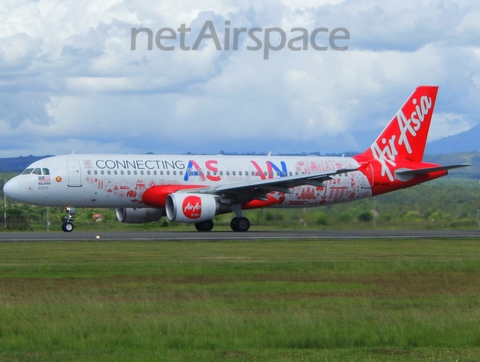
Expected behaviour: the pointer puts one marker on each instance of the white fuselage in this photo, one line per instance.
(113, 180)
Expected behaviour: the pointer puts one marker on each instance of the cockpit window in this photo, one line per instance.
(36, 171)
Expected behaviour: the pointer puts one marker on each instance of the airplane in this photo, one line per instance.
(195, 188)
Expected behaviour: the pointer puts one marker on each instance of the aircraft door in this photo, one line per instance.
(74, 173)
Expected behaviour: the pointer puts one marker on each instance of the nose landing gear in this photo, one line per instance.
(67, 225)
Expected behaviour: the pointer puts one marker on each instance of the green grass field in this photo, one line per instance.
(362, 300)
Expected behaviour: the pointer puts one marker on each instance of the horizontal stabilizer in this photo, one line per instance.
(407, 174)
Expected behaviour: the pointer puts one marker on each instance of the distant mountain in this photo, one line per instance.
(466, 141)
(18, 164)
(470, 158)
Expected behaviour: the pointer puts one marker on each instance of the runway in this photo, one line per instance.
(234, 236)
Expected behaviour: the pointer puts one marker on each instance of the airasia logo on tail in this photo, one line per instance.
(403, 130)
(192, 207)
(412, 124)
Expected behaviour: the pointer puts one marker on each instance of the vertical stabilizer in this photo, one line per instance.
(406, 135)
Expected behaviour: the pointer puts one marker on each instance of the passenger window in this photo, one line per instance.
(46, 171)
(28, 171)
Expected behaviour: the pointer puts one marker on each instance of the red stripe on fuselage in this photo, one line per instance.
(156, 196)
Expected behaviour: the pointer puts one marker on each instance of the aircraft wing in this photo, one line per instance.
(258, 190)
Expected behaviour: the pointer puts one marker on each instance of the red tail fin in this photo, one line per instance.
(406, 135)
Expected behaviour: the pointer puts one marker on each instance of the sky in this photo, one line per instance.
(70, 80)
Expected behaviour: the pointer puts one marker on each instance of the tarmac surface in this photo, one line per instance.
(237, 236)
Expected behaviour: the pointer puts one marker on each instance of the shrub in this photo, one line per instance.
(365, 216)
(321, 219)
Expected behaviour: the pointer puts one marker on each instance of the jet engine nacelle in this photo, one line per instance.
(138, 215)
(185, 207)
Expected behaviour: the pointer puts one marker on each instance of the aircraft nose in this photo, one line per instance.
(11, 188)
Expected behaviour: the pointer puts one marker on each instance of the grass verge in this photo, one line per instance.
(378, 300)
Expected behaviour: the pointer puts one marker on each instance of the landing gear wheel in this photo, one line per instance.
(69, 218)
(233, 223)
(241, 224)
(206, 225)
(67, 227)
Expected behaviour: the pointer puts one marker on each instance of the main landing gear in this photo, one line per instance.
(238, 223)
(206, 225)
(67, 225)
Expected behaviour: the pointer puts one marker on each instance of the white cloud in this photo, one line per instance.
(447, 124)
(68, 76)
